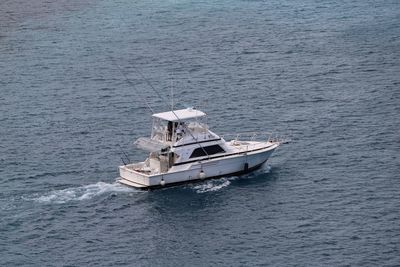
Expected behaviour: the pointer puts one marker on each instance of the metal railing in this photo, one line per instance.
(255, 136)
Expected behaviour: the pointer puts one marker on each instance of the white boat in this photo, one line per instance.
(183, 149)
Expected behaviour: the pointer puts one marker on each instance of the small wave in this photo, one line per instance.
(212, 185)
(81, 193)
(218, 184)
(265, 168)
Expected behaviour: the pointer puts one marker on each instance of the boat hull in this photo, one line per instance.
(196, 171)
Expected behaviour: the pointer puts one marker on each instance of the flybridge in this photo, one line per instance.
(180, 115)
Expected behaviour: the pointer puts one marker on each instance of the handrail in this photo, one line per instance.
(252, 136)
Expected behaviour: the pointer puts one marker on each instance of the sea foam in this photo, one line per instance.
(212, 185)
(82, 193)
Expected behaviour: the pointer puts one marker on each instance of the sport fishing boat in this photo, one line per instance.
(183, 149)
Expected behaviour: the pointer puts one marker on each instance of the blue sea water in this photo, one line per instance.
(325, 73)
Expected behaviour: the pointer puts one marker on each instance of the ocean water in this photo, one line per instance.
(324, 73)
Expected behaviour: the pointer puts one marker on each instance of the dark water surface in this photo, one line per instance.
(326, 73)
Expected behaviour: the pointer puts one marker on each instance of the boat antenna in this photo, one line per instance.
(172, 94)
(131, 84)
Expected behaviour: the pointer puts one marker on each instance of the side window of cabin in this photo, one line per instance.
(208, 150)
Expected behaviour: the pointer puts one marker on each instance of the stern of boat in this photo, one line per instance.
(136, 175)
(139, 175)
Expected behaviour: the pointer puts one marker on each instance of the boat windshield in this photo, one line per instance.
(172, 131)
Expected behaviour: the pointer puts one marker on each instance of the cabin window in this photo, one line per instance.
(208, 150)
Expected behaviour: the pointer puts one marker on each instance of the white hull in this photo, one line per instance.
(209, 168)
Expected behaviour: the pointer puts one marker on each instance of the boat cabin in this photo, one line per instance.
(177, 137)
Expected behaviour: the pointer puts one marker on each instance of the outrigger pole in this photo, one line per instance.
(158, 94)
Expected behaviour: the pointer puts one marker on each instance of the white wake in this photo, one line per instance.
(82, 193)
(212, 185)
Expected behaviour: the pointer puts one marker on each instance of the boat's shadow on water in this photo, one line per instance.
(204, 198)
(266, 176)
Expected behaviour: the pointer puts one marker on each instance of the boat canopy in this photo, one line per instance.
(150, 145)
(181, 114)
